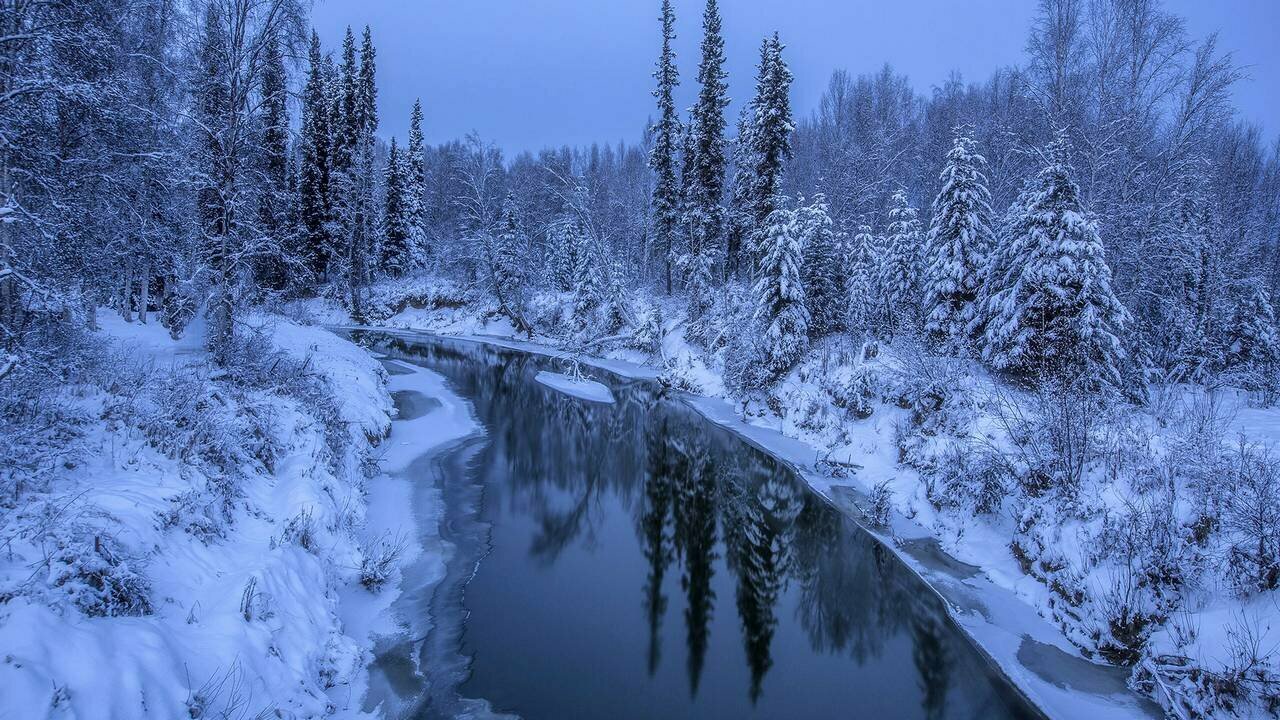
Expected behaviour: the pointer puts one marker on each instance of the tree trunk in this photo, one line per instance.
(126, 298)
(144, 293)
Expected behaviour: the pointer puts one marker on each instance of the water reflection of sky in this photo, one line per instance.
(645, 563)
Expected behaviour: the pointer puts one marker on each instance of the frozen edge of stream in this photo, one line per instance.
(1036, 657)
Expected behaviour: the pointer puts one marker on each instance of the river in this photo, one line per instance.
(633, 560)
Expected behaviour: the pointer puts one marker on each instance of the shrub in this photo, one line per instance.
(881, 504)
(378, 561)
(1251, 521)
(96, 574)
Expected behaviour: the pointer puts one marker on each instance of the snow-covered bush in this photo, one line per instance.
(881, 504)
(649, 330)
(1054, 436)
(967, 477)
(679, 374)
(378, 561)
(1150, 563)
(852, 388)
(202, 514)
(937, 390)
(301, 531)
(744, 366)
(1251, 519)
(93, 572)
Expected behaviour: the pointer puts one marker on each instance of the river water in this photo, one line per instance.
(633, 560)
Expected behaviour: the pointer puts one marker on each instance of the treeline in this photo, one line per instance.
(1099, 208)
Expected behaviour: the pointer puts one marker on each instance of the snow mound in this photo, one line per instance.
(584, 389)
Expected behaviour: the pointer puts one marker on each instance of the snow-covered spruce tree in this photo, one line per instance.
(313, 175)
(900, 272)
(959, 239)
(1051, 311)
(740, 216)
(363, 214)
(864, 307)
(704, 184)
(588, 284)
(504, 264)
(1194, 285)
(415, 188)
(771, 128)
(822, 268)
(780, 296)
(665, 202)
(271, 266)
(1253, 342)
(395, 252)
(565, 241)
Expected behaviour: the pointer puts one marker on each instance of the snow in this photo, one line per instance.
(196, 652)
(577, 387)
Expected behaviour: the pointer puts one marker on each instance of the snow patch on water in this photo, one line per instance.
(576, 387)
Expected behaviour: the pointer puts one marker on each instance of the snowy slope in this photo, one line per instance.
(235, 624)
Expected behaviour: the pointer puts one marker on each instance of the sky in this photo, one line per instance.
(528, 74)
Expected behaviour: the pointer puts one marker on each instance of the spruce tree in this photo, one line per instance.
(588, 285)
(313, 175)
(780, 295)
(504, 264)
(1253, 341)
(821, 270)
(395, 252)
(272, 264)
(705, 186)
(662, 158)
(1191, 316)
(416, 187)
(864, 268)
(741, 214)
(346, 130)
(959, 239)
(771, 129)
(1052, 311)
(900, 272)
(566, 244)
(367, 87)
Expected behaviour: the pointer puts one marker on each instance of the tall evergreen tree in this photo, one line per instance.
(272, 266)
(900, 271)
(959, 238)
(705, 187)
(864, 266)
(780, 295)
(821, 269)
(741, 215)
(1253, 342)
(316, 163)
(662, 158)
(504, 264)
(771, 130)
(1052, 312)
(395, 252)
(416, 187)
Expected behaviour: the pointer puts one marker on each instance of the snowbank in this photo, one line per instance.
(222, 518)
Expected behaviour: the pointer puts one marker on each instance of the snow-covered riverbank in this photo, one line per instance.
(198, 548)
(1030, 621)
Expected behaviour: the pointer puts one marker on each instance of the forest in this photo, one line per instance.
(1032, 313)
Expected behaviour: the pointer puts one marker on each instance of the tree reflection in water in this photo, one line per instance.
(711, 510)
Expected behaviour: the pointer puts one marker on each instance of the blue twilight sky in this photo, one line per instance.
(527, 74)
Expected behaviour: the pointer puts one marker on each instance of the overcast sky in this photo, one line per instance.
(527, 74)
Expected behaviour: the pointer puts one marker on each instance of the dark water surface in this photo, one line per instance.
(636, 561)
